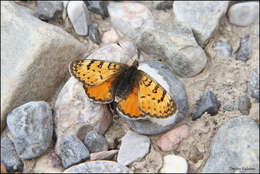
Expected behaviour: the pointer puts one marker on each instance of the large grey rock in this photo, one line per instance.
(244, 14)
(46, 10)
(9, 156)
(164, 76)
(202, 16)
(33, 57)
(31, 127)
(175, 44)
(73, 151)
(254, 84)
(235, 148)
(245, 50)
(133, 148)
(98, 167)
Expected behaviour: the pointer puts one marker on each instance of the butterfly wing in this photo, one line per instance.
(153, 99)
(98, 78)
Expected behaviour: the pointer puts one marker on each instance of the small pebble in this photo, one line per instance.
(98, 7)
(244, 14)
(162, 5)
(46, 10)
(244, 105)
(228, 107)
(95, 142)
(223, 49)
(174, 164)
(133, 148)
(105, 155)
(208, 103)
(73, 151)
(254, 84)
(171, 139)
(9, 157)
(245, 50)
(94, 34)
(110, 36)
(79, 17)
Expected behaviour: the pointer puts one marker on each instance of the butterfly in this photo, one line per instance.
(136, 93)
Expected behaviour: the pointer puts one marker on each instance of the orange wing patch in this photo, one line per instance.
(94, 72)
(129, 105)
(153, 99)
(102, 93)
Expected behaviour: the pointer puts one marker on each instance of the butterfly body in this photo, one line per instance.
(136, 93)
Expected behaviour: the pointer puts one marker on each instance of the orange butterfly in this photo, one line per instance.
(136, 92)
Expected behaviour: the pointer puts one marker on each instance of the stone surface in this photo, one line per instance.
(110, 36)
(104, 155)
(73, 151)
(79, 17)
(48, 163)
(244, 105)
(254, 84)
(244, 14)
(234, 148)
(98, 7)
(95, 142)
(76, 114)
(228, 107)
(9, 156)
(208, 103)
(94, 34)
(98, 167)
(162, 5)
(31, 126)
(174, 164)
(223, 49)
(131, 14)
(245, 50)
(129, 152)
(202, 16)
(171, 139)
(37, 51)
(46, 10)
(175, 44)
(164, 76)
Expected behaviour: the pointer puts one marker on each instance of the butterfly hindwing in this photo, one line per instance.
(153, 99)
(94, 72)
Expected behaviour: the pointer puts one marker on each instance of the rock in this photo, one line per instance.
(203, 17)
(98, 167)
(73, 151)
(9, 156)
(129, 152)
(79, 17)
(98, 7)
(254, 84)
(131, 14)
(39, 68)
(105, 155)
(162, 5)
(171, 139)
(244, 105)
(76, 114)
(245, 50)
(208, 103)
(94, 34)
(164, 76)
(174, 164)
(175, 44)
(228, 107)
(48, 163)
(46, 10)
(31, 127)
(223, 49)
(244, 14)
(234, 148)
(95, 142)
(110, 36)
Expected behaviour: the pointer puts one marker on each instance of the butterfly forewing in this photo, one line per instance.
(153, 99)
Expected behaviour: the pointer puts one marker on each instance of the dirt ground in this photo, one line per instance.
(226, 77)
